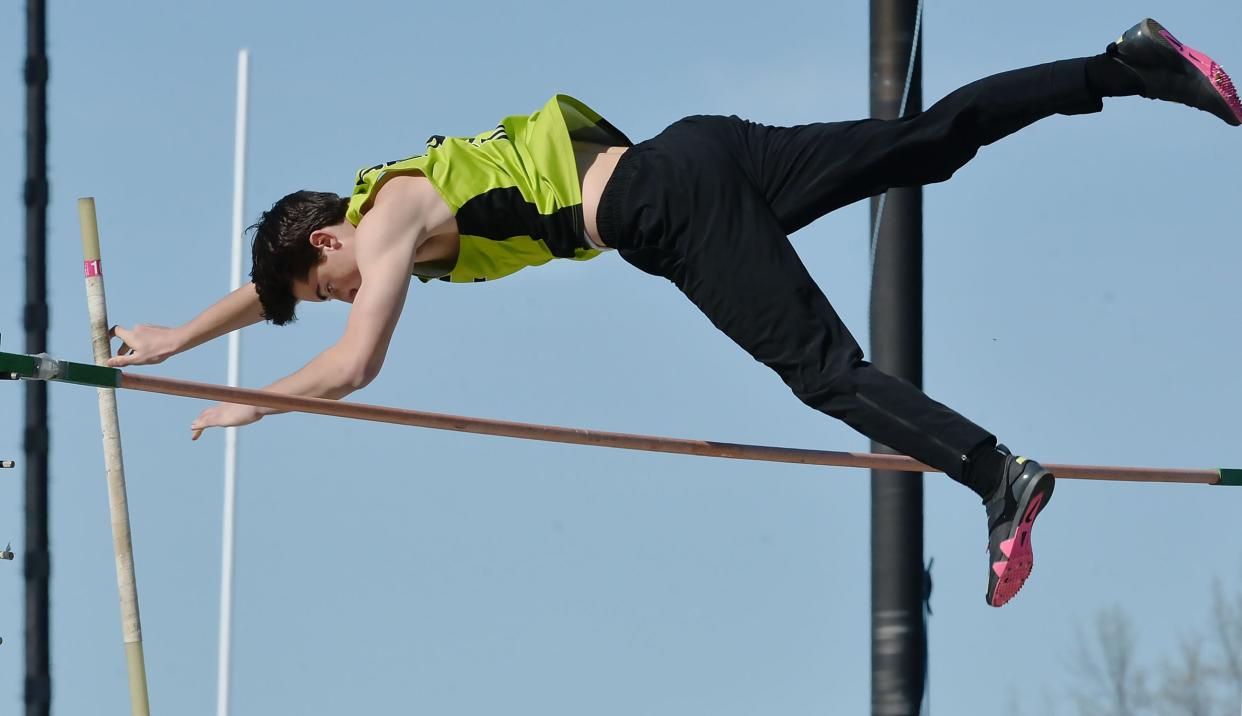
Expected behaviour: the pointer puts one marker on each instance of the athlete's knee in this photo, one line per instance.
(830, 383)
(944, 162)
(947, 148)
(930, 148)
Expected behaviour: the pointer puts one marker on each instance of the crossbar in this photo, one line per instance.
(112, 377)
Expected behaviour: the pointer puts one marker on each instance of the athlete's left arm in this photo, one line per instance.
(386, 241)
(405, 213)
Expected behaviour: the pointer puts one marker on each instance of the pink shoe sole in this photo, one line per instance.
(1211, 69)
(1012, 573)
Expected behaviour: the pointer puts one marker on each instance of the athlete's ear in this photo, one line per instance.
(324, 239)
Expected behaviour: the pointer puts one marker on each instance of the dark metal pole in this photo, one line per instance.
(38, 687)
(898, 636)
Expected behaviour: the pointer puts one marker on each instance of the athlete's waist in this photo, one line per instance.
(596, 164)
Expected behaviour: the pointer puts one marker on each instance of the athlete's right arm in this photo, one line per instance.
(145, 344)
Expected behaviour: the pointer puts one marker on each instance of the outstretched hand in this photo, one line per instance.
(144, 344)
(223, 415)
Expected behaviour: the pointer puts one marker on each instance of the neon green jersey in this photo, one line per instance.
(514, 190)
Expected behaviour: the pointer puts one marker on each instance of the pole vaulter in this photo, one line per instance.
(708, 204)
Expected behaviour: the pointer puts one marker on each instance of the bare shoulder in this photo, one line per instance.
(408, 192)
(411, 199)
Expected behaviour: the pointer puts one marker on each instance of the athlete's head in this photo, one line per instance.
(303, 250)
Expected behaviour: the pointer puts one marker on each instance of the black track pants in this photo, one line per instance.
(709, 203)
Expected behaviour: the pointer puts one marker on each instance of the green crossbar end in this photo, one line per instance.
(13, 365)
(86, 374)
(18, 366)
(1232, 477)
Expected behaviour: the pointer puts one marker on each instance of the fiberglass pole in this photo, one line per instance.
(114, 463)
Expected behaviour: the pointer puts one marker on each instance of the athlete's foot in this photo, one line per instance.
(1024, 491)
(1175, 72)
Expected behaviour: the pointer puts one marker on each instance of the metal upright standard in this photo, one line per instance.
(118, 503)
(35, 560)
(898, 630)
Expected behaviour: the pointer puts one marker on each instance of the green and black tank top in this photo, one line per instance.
(514, 190)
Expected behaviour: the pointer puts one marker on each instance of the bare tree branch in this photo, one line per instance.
(1187, 688)
(1227, 613)
(1109, 681)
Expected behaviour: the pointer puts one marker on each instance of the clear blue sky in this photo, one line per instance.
(1081, 302)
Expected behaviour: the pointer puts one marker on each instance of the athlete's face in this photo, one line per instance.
(336, 276)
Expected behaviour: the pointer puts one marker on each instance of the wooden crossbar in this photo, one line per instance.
(578, 436)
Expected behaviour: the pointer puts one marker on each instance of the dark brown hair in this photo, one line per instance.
(281, 252)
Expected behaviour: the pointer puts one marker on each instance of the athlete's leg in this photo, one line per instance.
(708, 206)
(676, 207)
(807, 171)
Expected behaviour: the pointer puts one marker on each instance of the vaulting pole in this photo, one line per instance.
(898, 630)
(36, 561)
(46, 368)
(118, 503)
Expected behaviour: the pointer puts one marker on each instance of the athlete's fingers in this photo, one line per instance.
(120, 361)
(121, 332)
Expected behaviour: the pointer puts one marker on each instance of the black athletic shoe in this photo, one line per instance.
(1024, 491)
(1175, 72)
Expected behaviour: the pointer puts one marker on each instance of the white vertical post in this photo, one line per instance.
(234, 378)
